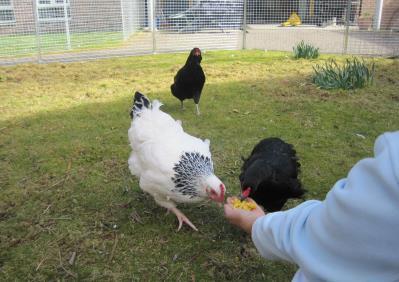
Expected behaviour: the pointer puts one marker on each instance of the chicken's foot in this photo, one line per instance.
(182, 219)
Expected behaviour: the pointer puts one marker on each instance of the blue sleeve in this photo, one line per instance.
(350, 236)
(272, 234)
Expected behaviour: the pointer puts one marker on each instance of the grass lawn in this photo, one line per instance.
(65, 184)
(26, 45)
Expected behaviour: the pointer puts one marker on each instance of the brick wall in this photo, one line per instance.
(368, 7)
(86, 16)
(390, 15)
(24, 19)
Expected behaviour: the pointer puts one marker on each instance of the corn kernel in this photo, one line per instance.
(244, 205)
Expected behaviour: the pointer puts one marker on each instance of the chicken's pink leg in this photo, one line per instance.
(182, 218)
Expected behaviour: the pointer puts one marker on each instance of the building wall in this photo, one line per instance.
(86, 16)
(24, 18)
(101, 15)
(390, 12)
(368, 6)
(390, 15)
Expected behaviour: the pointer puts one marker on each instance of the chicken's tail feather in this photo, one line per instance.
(140, 101)
(156, 105)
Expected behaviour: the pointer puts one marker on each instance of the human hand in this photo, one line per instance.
(242, 218)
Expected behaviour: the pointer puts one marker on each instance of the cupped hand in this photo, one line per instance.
(242, 218)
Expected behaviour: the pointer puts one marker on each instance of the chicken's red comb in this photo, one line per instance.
(246, 192)
(197, 52)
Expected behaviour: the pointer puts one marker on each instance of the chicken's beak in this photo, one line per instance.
(245, 193)
(215, 196)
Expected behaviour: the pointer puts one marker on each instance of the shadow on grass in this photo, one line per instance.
(67, 189)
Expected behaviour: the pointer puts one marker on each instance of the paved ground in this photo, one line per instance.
(143, 44)
(328, 39)
(270, 37)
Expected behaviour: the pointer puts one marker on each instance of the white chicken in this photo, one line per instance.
(172, 166)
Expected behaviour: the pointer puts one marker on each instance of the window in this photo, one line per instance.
(6, 12)
(52, 10)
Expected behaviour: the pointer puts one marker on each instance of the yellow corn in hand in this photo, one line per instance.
(244, 205)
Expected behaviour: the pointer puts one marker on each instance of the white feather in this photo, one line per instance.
(157, 142)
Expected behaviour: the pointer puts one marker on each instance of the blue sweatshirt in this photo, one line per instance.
(353, 235)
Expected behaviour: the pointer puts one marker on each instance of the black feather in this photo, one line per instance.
(139, 101)
(190, 167)
(190, 79)
(271, 171)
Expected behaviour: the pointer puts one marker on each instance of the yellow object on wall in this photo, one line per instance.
(293, 20)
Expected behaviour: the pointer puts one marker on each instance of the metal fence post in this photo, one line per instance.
(347, 22)
(123, 16)
(66, 19)
(244, 26)
(153, 25)
(378, 14)
(38, 43)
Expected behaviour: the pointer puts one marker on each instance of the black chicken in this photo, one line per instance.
(270, 174)
(190, 79)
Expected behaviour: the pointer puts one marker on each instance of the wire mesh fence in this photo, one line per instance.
(59, 30)
(369, 27)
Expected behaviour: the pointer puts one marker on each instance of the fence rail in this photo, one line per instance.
(66, 30)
